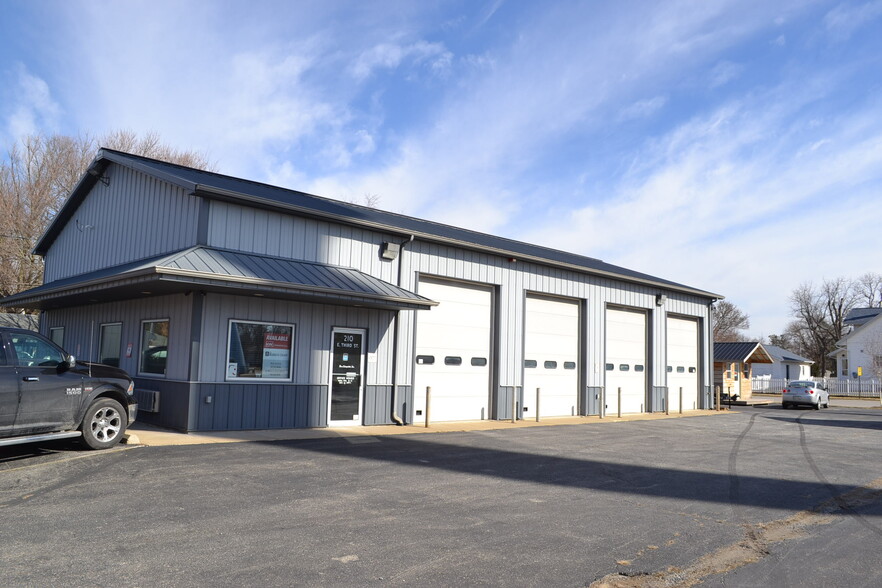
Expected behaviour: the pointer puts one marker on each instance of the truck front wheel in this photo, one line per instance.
(104, 424)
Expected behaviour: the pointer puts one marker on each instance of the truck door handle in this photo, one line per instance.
(31, 379)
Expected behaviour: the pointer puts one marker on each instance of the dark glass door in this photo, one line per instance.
(347, 375)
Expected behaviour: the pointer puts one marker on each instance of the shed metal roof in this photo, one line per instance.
(782, 354)
(742, 351)
(221, 270)
(220, 187)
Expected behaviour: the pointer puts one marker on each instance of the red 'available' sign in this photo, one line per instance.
(276, 341)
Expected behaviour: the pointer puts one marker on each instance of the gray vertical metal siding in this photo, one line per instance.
(514, 278)
(340, 245)
(82, 327)
(312, 343)
(258, 231)
(236, 407)
(136, 216)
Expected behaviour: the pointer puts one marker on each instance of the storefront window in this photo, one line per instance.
(260, 351)
(154, 347)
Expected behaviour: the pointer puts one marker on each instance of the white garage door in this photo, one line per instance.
(551, 357)
(682, 370)
(625, 360)
(453, 353)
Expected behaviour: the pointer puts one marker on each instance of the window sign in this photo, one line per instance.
(260, 351)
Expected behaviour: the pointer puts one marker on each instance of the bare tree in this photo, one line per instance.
(820, 318)
(367, 199)
(784, 341)
(38, 174)
(868, 288)
(729, 321)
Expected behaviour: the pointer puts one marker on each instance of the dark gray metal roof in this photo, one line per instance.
(741, 351)
(222, 270)
(221, 187)
(782, 354)
(859, 316)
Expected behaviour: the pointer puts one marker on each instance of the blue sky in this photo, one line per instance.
(732, 146)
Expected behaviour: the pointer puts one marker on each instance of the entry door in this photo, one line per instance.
(347, 377)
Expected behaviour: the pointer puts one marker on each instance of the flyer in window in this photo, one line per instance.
(276, 355)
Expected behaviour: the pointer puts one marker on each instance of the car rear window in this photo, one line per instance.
(801, 385)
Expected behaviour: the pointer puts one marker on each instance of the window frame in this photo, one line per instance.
(52, 331)
(119, 350)
(261, 379)
(141, 348)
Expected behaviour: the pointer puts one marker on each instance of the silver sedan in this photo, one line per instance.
(805, 393)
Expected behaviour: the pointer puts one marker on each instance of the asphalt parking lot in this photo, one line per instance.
(758, 496)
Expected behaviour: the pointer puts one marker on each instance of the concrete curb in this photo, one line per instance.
(144, 434)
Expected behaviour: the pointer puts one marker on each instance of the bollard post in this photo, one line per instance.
(667, 400)
(619, 402)
(602, 408)
(717, 391)
(428, 399)
(514, 405)
(537, 405)
(681, 399)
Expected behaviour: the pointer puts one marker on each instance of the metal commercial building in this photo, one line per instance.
(239, 305)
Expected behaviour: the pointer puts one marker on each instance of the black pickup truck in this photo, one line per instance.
(46, 394)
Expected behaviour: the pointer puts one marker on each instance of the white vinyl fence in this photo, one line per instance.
(853, 387)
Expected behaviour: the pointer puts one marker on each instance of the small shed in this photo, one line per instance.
(786, 365)
(733, 366)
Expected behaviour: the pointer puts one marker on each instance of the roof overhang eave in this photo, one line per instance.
(131, 285)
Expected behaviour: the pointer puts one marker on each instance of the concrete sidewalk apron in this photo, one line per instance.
(144, 434)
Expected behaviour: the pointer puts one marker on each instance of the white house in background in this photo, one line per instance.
(861, 347)
(785, 364)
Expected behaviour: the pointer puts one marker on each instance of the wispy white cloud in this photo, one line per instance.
(724, 72)
(843, 20)
(31, 107)
(643, 108)
(745, 199)
(601, 129)
(392, 55)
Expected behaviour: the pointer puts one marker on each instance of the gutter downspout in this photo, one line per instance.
(395, 417)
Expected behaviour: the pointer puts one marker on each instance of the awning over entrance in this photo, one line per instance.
(207, 269)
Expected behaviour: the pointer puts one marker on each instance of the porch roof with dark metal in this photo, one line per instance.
(208, 269)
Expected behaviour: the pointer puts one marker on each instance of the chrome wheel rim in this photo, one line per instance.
(106, 424)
